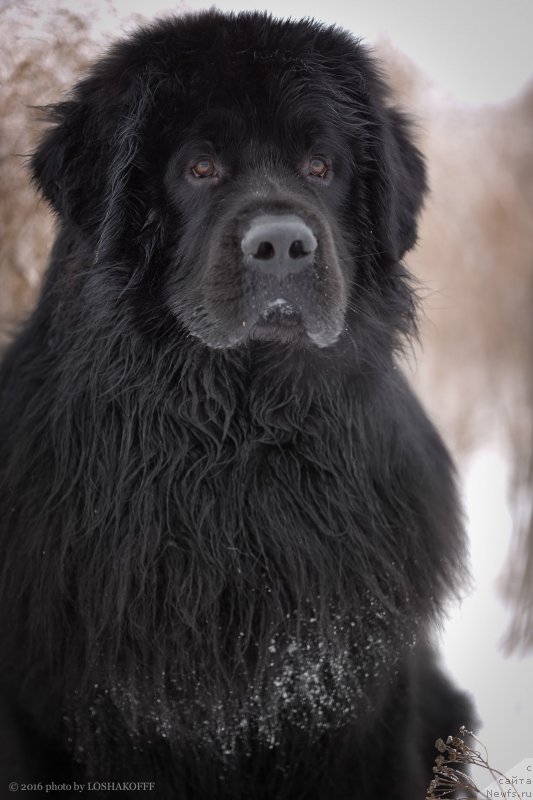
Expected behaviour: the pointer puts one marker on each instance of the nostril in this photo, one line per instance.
(265, 251)
(297, 250)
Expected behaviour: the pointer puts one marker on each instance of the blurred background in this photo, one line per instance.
(465, 72)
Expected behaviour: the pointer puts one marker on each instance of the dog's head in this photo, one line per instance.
(250, 173)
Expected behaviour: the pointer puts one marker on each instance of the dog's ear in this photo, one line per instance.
(399, 184)
(84, 161)
(66, 165)
(408, 179)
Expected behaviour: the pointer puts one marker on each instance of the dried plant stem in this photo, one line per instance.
(450, 780)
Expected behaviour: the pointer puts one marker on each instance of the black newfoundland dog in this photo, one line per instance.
(227, 526)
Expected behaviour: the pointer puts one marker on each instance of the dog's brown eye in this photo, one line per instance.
(318, 166)
(203, 168)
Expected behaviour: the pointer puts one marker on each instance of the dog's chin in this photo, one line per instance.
(292, 333)
(285, 323)
(279, 322)
(288, 334)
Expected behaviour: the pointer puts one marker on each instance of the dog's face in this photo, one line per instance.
(250, 174)
(261, 254)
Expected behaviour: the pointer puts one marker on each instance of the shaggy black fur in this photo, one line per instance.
(227, 526)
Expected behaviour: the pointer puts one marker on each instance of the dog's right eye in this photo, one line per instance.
(203, 168)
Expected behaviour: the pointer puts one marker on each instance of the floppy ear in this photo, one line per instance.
(66, 166)
(400, 184)
(84, 161)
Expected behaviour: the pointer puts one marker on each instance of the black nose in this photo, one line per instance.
(278, 244)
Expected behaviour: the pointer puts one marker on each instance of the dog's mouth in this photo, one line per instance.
(285, 320)
(281, 312)
(280, 320)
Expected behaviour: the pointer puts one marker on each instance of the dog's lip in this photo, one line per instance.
(280, 312)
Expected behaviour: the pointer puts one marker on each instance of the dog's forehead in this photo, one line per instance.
(252, 52)
(251, 79)
(257, 131)
(259, 94)
(292, 102)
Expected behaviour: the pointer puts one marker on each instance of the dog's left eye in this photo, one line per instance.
(318, 167)
(203, 168)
